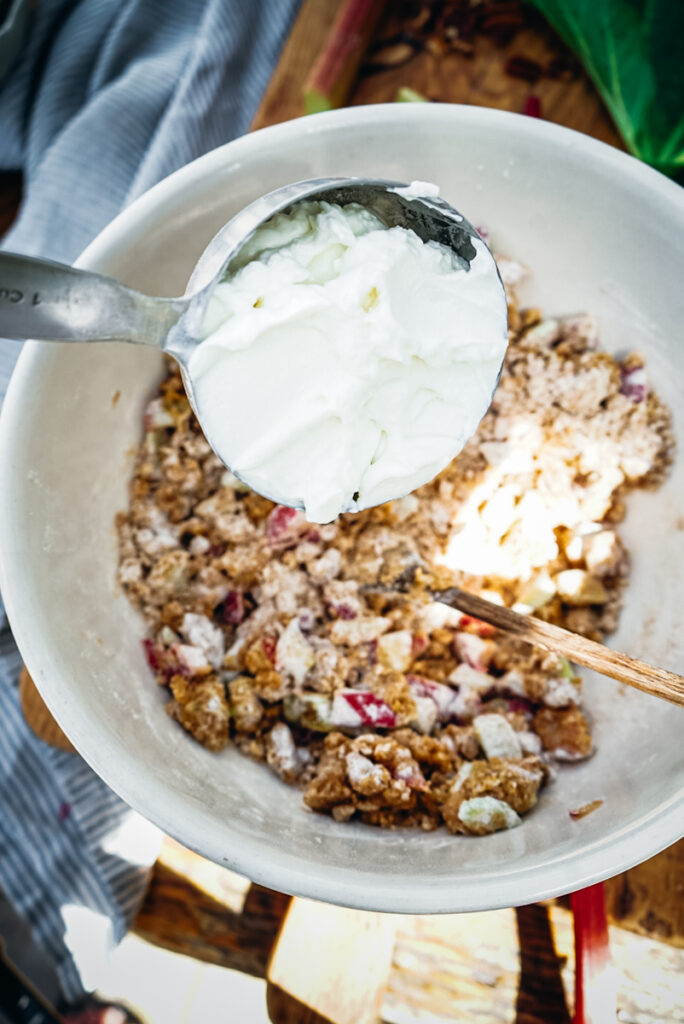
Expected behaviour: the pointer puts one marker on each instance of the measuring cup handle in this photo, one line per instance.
(55, 302)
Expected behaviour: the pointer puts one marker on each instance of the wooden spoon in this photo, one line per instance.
(656, 681)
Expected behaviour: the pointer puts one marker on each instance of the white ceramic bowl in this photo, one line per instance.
(601, 233)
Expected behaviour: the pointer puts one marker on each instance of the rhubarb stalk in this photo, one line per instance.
(333, 74)
(595, 983)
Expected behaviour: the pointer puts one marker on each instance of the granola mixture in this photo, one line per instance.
(386, 707)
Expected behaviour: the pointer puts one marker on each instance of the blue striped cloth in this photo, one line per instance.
(105, 98)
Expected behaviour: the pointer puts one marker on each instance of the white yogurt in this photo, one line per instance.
(345, 363)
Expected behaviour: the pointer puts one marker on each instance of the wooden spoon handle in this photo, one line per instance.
(656, 681)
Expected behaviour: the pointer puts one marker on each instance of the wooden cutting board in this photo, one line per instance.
(448, 76)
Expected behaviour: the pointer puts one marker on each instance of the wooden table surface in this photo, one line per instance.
(501, 966)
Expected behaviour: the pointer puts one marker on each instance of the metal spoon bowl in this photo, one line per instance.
(48, 301)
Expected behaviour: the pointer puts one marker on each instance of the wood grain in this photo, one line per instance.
(200, 909)
(284, 97)
(38, 717)
(333, 960)
(649, 898)
(540, 997)
(509, 967)
(658, 682)
(283, 1008)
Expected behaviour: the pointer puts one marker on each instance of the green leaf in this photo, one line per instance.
(634, 52)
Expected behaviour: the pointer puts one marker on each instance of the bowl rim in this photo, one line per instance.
(260, 858)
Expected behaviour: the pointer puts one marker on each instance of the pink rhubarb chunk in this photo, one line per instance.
(354, 708)
(285, 526)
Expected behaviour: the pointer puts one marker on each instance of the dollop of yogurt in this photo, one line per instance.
(345, 363)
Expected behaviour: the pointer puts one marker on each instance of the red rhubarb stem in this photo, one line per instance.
(333, 74)
(595, 989)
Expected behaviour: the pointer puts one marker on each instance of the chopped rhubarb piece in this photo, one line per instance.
(268, 646)
(190, 660)
(353, 708)
(281, 753)
(201, 633)
(372, 709)
(519, 705)
(426, 714)
(532, 106)
(343, 715)
(359, 631)
(444, 698)
(395, 650)
(294, 654)
(473, 678)
(306, 619)
(170, 661)
(566, 671)
(279, 520)
(168, 637)
(419, 644)
(633, 383)
(233, 608)
(467, 703)
(477, 626)
(437, 615)
(310, 710)
(602, 553)
(409, 772)
(474, 651)
(153, 653)
(497, 737)
(512, 682)
(343, 611)
(530, 743)
(535, 594)
(156, 417)
(580, 588)
(560, 692)
(284, 526)
(484, 814)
